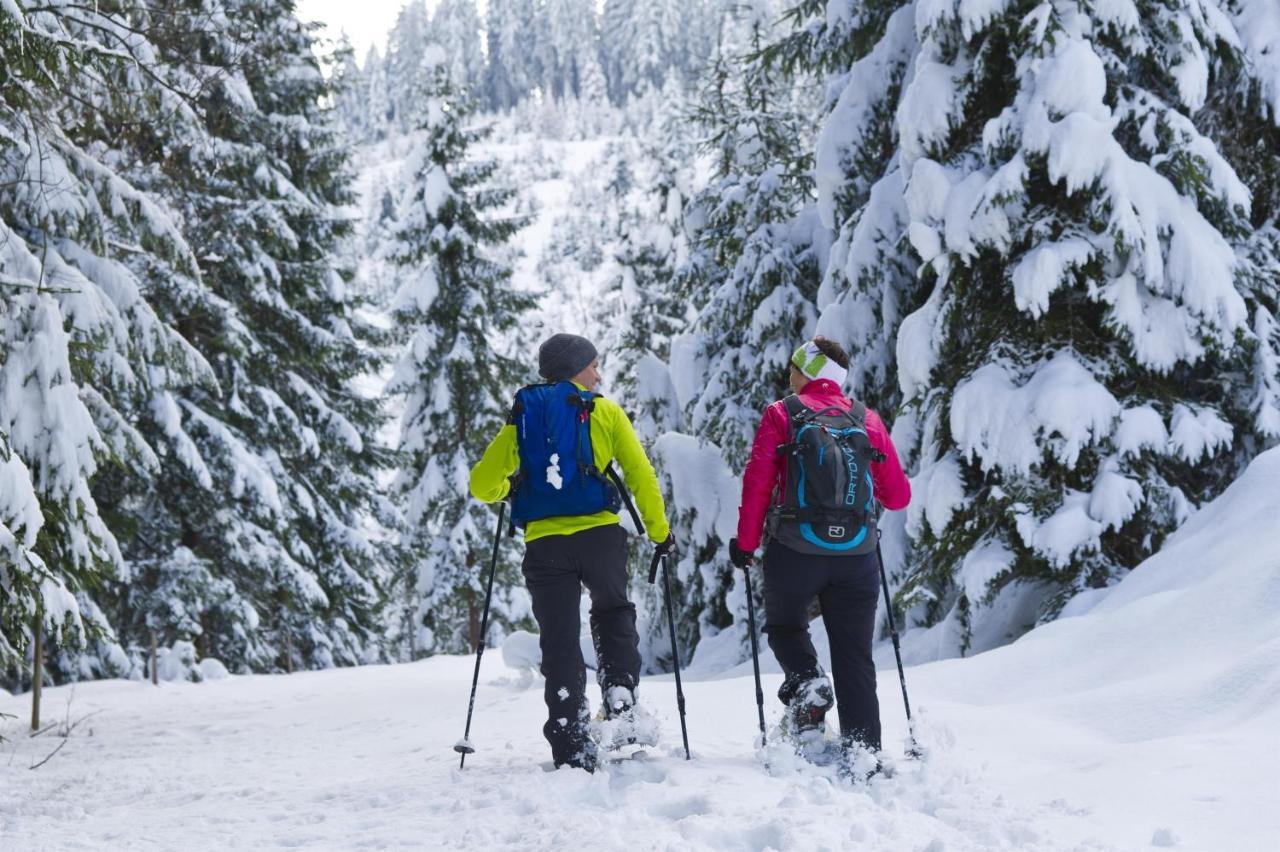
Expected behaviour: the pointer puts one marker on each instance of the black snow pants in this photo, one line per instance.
(847, 588)
(556, 568)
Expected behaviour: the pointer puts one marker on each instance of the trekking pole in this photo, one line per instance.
(675, 653)
(755, 652)
(913, 750)
(463, 746)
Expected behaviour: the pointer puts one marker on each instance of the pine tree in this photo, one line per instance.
(21, 570)
(650, 247)
(255, 538)
(1096, 353)
(512, 66)
(455, 305)
(616, 37)
(406, 68)
(752, 272)
(376, 94)
(82, 347)
(349, 85)
(870, 282)
(456, 27)
(753, 269)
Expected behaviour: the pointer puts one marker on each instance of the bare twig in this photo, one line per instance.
(66, 736)
(78, 721)
(50, 757)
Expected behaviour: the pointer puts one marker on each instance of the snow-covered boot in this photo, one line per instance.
(807, 708)
(622, 720)
(808, 698)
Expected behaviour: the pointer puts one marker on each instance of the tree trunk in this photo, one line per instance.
(288, 653)
(155, 658)
(37, 671)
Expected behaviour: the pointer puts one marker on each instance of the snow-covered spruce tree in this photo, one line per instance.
(512, 67)
(752, 273)
(1242, 116)
(377, 97)
(615, 33)
(455, 305)
(642, 43)
(1096, 355)
(82, 347)
(406, 76)
(863, 51)
(349, 85)
(649, 246)
(635, 44)
(753, 269)
(456, 26)
(259, 537)
(21, 570)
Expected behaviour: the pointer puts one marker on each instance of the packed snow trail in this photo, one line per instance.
(362, 758)
(1150, 718)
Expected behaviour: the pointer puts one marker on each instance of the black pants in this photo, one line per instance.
(555, 569)
(847, 587)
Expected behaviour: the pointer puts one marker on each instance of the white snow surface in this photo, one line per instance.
(1149, 718)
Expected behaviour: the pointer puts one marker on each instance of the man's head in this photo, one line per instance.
(819, 358)
(569, 357)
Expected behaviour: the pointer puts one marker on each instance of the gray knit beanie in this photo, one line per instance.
(564, 356)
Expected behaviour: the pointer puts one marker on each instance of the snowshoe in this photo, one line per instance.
(624, 754)
(622, 721)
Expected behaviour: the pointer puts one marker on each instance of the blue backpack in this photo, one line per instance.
(558, 474)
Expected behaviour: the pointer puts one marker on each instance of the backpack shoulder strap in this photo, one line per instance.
(797, 412)
(858, 411)
(796, 409)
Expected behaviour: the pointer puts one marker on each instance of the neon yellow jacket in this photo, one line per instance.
(612, 437)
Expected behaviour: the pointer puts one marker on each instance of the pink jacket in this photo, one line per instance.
(764, 478)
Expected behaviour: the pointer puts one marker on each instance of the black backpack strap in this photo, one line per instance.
(796, 409)
(797, 412)
(626, 497)
(859, 413)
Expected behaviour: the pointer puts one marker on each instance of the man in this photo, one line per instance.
(579, 542)
(827, 550)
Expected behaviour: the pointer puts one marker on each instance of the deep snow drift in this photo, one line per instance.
(1148, 718)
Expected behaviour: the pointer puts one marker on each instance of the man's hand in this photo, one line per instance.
(740, 558)
(665, 548)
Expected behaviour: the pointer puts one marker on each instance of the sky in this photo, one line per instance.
(366, 22)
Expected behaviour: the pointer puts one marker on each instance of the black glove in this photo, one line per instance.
(665, 548)
(740, 558)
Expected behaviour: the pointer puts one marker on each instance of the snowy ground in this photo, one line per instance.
(1152, 719)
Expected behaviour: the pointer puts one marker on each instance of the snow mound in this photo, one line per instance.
(521, 651)
(1188, 641)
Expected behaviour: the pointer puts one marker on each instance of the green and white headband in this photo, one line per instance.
(809, 360)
